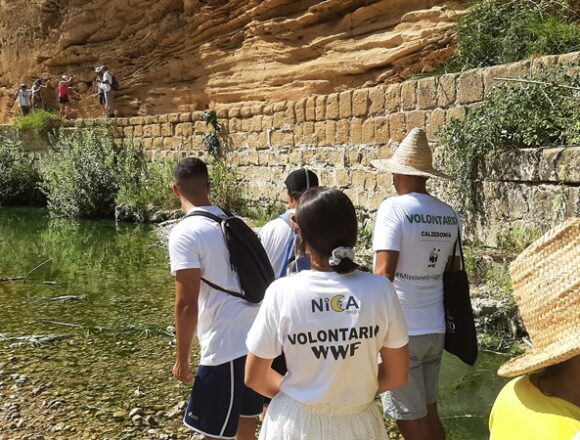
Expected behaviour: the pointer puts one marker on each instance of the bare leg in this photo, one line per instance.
(415, 429)
(247, 428)
(426, 428)
(435, 425)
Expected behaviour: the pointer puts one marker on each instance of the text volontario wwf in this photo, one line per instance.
(349, 337)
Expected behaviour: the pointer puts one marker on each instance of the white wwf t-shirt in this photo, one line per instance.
(331, 328)
(223, 320)
(275, 237)
(423, 229)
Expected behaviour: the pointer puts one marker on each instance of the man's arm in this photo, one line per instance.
(386, 263)
(187, 284)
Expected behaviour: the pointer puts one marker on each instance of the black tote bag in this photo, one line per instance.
(460, 335)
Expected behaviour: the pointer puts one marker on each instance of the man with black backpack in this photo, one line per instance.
(214, 293)
(107, 85)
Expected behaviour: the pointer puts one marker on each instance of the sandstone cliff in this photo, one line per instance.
(189, 54)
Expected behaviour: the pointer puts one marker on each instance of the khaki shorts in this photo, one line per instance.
(410, 401)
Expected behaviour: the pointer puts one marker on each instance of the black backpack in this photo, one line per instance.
(247, 257)
(114, 83)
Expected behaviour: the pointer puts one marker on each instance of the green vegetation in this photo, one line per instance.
(86, 175)
(503, 31)
(79, 174)
(225, 191)
(216, 141)
(144, 187)
(262, 214)
(18, 178)
(39, 121)
(517, 239)
(513, 115)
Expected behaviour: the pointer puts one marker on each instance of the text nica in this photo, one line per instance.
(337, 304)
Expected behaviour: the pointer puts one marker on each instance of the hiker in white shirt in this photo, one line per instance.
(281, 242)
(36, 90)
(23, 96)
(413, 242)
(221, 406)
(106, 85)
(277, 236)
(332, 322)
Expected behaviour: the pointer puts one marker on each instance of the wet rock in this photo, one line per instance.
(137, 419)
(119, 414)
(55, 404)
(151, 421)
(39, 389)
(136, 412)
(138, 393)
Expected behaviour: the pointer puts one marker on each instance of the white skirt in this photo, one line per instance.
(288, 419)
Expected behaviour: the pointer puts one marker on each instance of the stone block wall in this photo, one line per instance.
(337, 136)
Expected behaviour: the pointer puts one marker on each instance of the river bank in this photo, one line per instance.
(106, 298)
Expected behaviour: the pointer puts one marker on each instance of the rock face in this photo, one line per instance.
(188, 54)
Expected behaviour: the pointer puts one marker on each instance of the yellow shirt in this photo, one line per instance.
(521, 411)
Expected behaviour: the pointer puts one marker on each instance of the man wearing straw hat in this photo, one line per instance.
(412, 241)
(544, 402)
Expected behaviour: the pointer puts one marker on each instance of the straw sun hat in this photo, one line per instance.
(546, 282)
(412, 157)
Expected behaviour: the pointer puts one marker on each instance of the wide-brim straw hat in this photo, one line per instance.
(546, 283)
(412, 157)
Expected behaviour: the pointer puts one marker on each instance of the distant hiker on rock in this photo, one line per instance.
(221, 406)
(63, 92)
(108, 85)
(100, 92)
(23, 96)
(331, 322)
(413, 240)
(37, 100)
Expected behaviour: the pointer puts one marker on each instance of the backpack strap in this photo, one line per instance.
(218, 220)
(215, 218)
(290, 247)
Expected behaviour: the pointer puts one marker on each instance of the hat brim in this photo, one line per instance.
(396, 168)
(536, 359)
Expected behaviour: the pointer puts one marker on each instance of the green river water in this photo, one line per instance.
(116, 334)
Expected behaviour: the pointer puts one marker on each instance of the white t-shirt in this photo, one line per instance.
(331, 328)
(275, 237)
(107, 76)
(24, 98)
(223, 320)
(423, 229)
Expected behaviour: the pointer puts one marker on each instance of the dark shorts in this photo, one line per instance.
(219, 398)
(63, 99)
(24, 109)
